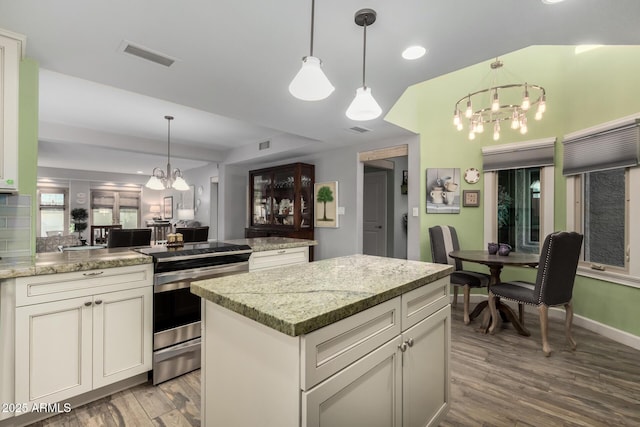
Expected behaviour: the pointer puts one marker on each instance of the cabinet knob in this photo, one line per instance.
(409, 342)
(403, 347)
(87, 304)
(99, 302)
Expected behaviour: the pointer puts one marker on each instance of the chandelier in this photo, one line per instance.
(498, 104)
(172, 178)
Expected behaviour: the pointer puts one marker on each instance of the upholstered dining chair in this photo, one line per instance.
(444, 239)
(554, 284)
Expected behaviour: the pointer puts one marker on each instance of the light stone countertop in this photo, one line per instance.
(68, 261)
(259, 244)
(298, 299)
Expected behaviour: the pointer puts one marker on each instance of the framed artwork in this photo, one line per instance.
(443, 190)
(188, 198)
(168, 207)
(471, 198)
(325, 195)
(404, 188)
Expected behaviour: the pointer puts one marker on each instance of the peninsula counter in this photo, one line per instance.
(355, 340)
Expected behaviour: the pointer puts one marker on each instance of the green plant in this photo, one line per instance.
(325, 195)
(79, 217)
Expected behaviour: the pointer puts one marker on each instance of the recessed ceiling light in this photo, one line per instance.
(551, 1)
(414, 52)
(139, 172)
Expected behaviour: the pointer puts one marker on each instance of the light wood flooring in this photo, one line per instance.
(496, 380)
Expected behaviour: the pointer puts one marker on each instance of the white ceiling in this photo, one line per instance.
(103, 110)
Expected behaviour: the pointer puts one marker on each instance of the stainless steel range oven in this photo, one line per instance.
(176, 311)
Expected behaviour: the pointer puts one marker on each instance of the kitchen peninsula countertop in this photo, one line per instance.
(260, 244)
(299, 299)
(69, 261)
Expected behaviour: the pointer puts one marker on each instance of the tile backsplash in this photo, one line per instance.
(15, 226)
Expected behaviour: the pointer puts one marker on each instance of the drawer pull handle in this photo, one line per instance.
(409, 342)
(95, 273)
(87, 304)
(99, 302)
(282, 251)
(403, 347)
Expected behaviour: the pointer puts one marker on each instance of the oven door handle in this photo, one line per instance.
(184, 278)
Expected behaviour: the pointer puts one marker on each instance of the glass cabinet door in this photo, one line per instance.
(284, 196)
(262, 199)
(306, 197)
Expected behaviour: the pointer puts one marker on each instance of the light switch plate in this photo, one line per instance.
(415, 211)
(340, 210)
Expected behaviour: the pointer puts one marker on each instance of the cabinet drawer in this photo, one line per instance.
(424, 301)
(332, 348)
(51, 287)
(278, 258)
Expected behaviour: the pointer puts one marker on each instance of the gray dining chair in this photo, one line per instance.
(444, 239)
(553, 286)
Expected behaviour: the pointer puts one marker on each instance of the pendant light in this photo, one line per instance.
(310, 84)
(364, 107)
(160, 180)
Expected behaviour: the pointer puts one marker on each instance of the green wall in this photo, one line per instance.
(582, 91)
(28, 136)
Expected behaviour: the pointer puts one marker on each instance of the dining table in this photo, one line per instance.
(496, 263)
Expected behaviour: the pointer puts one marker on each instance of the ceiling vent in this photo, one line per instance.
(144, 53)
(264, 145)
(358, 129)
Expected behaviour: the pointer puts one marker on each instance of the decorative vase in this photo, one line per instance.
(504, 249)
(492, 248)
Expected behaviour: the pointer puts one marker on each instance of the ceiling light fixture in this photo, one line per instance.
(160, 180)
(499, 103)
(364, 107)
(311, 84)
(414, 52)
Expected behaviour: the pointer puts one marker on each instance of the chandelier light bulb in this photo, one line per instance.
(515, 122)
(479, 125)
(364, 106)
(538, 115)
(526, 103)
(459, 126)
(311, 84)
(523, 125)
(542, 105)
(496, 131)
(472, 135)
(456, 118)
(495, 105)
(469, 111)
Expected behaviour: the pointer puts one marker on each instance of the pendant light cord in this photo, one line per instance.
(313, 8)
(364, 53)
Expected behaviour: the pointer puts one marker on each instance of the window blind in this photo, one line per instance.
(518, 155)
(607, 149)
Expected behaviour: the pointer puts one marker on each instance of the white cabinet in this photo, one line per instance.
(278, 258)
(76, 332)
(385, 366)
(11, 46)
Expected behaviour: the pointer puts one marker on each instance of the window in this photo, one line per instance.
(602, 177)
(519, 193)
(115, 207)
(52, 218)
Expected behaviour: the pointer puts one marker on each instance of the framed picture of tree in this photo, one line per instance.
(325, 195)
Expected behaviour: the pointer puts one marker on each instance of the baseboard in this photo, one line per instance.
(607, 331)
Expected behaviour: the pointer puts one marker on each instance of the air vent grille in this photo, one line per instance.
(264, 145)
(147, 54)
(359, 129)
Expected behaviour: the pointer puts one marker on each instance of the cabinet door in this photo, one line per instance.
(366, 393)
(10, 53)
(425, 374)
(53, 350)
(122, 334)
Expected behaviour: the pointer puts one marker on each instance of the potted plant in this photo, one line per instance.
(79, 217)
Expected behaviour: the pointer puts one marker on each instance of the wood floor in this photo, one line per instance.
(499, 380)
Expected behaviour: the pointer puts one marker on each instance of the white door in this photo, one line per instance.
(53, 350)
(122, 334)
(364, 394)
(425, 378)
(374, 235)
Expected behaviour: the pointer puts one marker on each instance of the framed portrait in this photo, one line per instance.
(188, 198)
(471, 198)
(443, 190)
(168, 207)
(325, 195)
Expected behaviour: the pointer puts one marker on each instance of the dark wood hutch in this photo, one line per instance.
(281, 201)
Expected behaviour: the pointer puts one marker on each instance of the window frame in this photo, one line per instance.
(64, 208)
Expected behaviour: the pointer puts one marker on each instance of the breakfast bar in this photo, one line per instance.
(354, 340)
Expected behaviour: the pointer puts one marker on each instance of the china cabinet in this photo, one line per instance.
(281, 201)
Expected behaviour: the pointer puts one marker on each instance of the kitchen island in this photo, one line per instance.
(356, 340)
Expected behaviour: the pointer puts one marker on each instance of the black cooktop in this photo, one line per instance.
(193, 250)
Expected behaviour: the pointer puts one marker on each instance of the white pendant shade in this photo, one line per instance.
(180, 184)
(311, 84)
(154, 183)
(363, 107)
